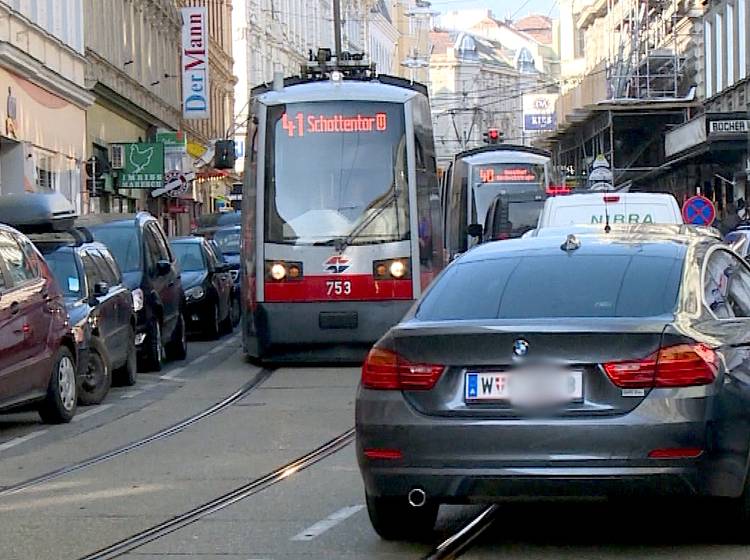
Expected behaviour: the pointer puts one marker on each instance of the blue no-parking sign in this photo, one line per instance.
(699, 211)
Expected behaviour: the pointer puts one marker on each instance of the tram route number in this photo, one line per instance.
(301, 124)
(338, 287)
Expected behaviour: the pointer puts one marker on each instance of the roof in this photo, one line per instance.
(327, 90)
(656, 240)
(537, 26)
(470, 46)
(502, 148)
(187, 239)
(381, 8)
(93, 220)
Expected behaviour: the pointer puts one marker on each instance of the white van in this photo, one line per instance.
(620, 208)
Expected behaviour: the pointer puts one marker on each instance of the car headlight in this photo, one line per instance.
(196, 292)
(137, 299)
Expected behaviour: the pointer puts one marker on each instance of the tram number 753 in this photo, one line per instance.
(338, 287)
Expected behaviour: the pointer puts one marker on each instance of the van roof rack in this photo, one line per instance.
(75, 237)
(37, 212)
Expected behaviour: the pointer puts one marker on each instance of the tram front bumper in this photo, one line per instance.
(359, 323)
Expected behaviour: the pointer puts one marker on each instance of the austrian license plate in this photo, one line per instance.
(533, 387)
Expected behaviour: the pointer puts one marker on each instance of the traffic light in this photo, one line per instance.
(493, 136)
(96, 167)
(224, 154)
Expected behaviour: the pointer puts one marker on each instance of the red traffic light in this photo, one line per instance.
(493, 134)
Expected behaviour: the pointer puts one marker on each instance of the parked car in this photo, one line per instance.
(38, 353)
(227, 242)
(208, 224)
(594, 365)
(613, 207)
(100, 307)
(150, 271)
(208, 286)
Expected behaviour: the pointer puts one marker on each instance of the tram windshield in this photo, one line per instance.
(336, 172)
(506, 179)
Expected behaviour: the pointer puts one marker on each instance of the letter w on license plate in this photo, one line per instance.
(532, 387)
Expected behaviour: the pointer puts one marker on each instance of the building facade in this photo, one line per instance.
(630, 72)
(42, 80)
(475, 85)
(133, 71)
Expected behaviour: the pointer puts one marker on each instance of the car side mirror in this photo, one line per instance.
(163, 268)
(475, 230)
(101, 289)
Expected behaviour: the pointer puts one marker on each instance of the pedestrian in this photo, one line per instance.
(731, 219)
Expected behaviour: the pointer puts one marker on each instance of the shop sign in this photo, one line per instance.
(175, 184)
(729, 127)
(144, 166)
(539, 112)
(194, 51)
(172, 139)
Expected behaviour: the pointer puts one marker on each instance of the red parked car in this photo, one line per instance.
(37, 349)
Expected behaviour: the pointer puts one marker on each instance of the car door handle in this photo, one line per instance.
(14, 308)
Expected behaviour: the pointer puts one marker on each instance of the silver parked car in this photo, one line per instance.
(593, 365)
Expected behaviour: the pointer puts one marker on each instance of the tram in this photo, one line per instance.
(341, 212)
(493, 192)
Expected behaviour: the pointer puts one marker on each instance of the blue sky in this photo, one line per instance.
(501, 8)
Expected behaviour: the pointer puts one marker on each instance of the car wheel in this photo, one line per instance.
(154, 351)
(59, 406)
(96, 379)
(394, 519)
(128, 373)
(177, 349)
(213, 330)
(235, 311)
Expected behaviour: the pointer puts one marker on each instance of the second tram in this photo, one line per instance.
(341, 213)
(501, 187)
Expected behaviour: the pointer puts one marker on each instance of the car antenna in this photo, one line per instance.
(607, 227)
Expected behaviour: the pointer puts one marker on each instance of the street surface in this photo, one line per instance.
(317, 512)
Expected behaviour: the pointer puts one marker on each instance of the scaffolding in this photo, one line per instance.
(646, 62)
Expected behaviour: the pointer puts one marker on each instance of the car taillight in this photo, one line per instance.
(384, 369)
(611, 198)
(682, 365)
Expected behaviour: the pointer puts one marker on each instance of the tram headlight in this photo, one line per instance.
(391, 269)
(397, 269)
(285, 271)
(278, 271)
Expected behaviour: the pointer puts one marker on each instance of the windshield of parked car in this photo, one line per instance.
(189, 256)
(65, 269)
(563, 285)
(123, 242)
(228, 240)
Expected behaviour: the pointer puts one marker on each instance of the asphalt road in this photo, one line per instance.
(317, 512)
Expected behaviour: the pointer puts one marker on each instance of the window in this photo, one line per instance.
(18, 265)
(66, 272)
(708, 42)
(164, 252)
(730, 44)
(103, 268)
(719, 53)
(741, 39)
(121, 238)
(726, 286)
(112, 264)
(92, 272)
(190, 257)
(626, 284)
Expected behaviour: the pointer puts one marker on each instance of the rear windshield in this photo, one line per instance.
(518, 287)
(189, 256)
(122, 241)
(634, 213)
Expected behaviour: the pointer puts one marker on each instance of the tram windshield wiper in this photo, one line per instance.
(342, 244)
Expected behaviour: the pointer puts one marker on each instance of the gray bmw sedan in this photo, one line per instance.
(600, 364)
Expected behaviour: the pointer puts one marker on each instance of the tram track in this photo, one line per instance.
(255, 486)
(232, 398)
(460, 541)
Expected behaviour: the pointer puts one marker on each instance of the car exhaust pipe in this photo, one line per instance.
(417, 497)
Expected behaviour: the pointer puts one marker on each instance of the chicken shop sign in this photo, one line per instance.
(194, 50)
(143, 167)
